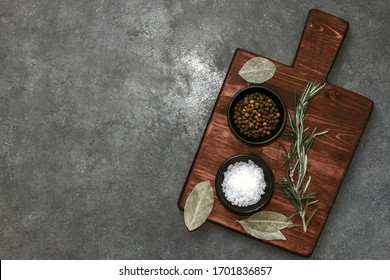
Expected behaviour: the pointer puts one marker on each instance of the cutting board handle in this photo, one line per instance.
(320, 43)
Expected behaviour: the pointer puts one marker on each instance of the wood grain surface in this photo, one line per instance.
(342, 112)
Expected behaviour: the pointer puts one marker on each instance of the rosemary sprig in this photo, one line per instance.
(295, 184)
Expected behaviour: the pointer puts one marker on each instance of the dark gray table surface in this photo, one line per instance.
(103, 105)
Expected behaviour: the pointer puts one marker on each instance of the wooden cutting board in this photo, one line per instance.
(342, 112)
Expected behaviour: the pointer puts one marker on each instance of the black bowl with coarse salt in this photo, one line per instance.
(268, 177)
(275, 97)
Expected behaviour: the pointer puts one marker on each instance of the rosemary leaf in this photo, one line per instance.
(307, 184)
(311, 216)
(292, 215)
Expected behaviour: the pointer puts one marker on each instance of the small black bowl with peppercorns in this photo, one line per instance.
(257, 115)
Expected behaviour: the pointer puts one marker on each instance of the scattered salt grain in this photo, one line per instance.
(243, 183)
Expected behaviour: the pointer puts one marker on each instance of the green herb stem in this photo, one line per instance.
(296, 183)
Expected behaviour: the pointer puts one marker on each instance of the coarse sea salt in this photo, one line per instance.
(243, 183)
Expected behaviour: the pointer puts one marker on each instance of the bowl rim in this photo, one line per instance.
(268, 176)
(269, 138)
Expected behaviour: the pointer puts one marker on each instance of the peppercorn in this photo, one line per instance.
(256, 115)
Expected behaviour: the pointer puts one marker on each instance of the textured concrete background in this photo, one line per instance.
(103, 105)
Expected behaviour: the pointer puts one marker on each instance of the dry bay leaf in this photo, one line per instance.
(268, 221)
(199, 205)
(257, 70)
(266, 225)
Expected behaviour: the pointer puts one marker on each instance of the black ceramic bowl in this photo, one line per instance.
(272, 95)
(268, 176)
